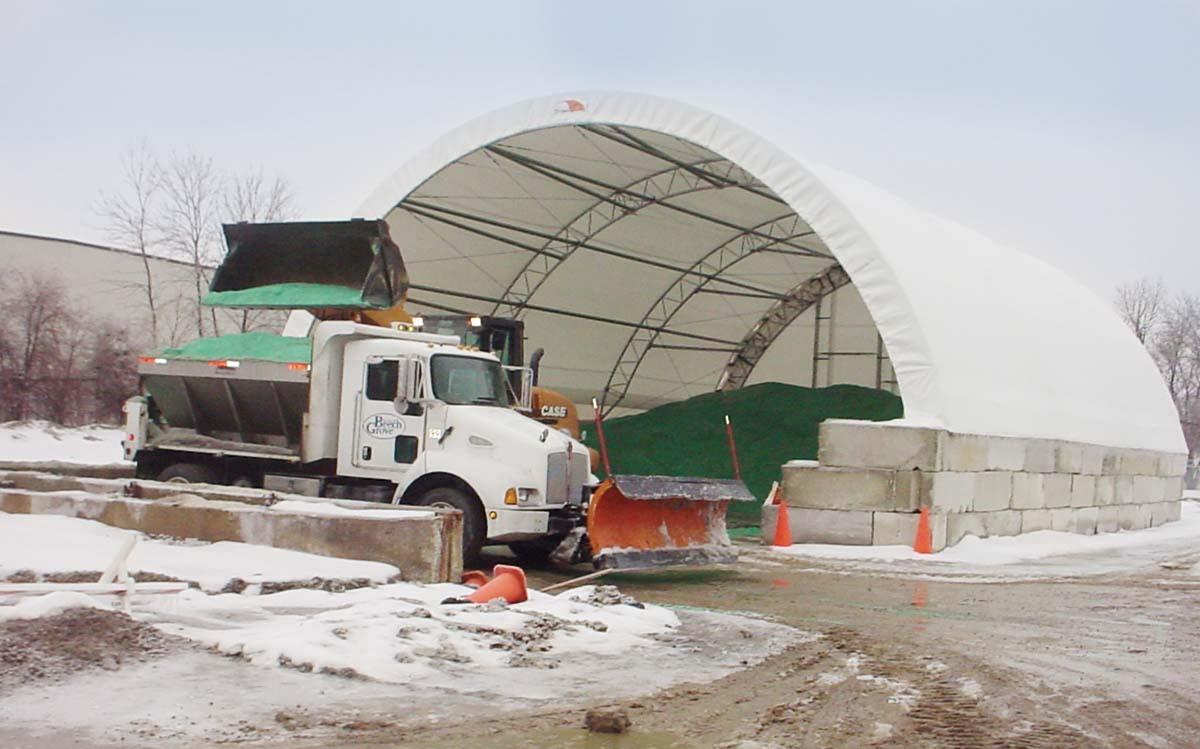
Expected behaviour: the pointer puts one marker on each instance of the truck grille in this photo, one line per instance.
(564, 481)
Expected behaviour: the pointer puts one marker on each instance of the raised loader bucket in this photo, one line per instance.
(652, 521)
(313, 265)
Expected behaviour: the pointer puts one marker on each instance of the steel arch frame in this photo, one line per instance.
(693, 281)
(776, 320)
(607, 210)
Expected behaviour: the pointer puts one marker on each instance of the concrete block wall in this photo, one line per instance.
(872, 478)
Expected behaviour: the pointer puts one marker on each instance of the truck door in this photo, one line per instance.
(384, 439)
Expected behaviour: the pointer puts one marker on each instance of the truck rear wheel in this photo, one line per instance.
(188, 473)
(474, 524)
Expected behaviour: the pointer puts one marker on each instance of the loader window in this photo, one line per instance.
(465, 380)
(382, 378)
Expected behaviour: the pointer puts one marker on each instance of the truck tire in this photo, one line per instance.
(474, 524)
(537, 550)
(188, 473)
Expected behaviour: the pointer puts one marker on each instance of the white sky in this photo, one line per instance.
(1066, 129)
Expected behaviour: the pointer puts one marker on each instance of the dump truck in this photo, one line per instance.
(364, 403)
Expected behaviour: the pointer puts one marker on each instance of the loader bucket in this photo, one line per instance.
(309, 265)
(653, 521)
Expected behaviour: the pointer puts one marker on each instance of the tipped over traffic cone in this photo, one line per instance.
(507, 582)
(923, 543)
(474, 578)
(783, 529)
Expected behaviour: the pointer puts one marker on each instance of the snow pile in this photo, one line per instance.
(41, 441)
(1004, 550)
(52, 543)
(48, 605)
(402, 633)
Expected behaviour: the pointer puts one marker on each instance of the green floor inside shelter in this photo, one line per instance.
(773, 423)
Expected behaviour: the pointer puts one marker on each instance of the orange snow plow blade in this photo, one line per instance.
(654, 521)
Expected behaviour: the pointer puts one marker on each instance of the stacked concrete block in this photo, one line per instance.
(872, 478)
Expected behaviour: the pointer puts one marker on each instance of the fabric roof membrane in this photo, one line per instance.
(658, 251)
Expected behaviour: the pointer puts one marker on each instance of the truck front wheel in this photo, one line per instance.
(474, 524)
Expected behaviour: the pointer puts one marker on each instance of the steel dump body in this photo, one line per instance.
(256, 407)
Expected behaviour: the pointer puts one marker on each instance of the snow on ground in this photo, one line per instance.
(390, 651)
(48, 605)
(403, 634)
(396, 633)
(41, 441)
(54, 543)
(1054, 551)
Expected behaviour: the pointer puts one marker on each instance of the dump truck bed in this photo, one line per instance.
(246, 393)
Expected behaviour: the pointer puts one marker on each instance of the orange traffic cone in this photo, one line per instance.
(474, 578)
(507, 582)
(923, 543)
(783, 529)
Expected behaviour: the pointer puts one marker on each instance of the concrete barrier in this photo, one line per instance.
(426, 544)
(873, 474)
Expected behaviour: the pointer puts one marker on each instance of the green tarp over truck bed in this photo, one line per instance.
(248, 346)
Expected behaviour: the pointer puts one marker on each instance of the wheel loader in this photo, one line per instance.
(353, 272)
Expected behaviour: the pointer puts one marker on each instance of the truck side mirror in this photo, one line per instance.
(414, 379)
(402, 386)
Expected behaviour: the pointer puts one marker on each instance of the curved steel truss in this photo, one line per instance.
(608, 209)
(776, 320)
(695, 280)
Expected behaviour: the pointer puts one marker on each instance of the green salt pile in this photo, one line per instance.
(773, 423)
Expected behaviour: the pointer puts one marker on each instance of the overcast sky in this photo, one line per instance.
(1070, 130)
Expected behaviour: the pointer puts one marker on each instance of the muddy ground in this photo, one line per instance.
(1109, 660)
(904, 660)
(55, 648)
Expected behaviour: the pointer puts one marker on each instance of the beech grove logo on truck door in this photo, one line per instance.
(383, 425)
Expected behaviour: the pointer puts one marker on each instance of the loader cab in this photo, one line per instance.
(501, 336)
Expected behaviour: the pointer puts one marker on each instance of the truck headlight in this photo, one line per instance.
(528, 497)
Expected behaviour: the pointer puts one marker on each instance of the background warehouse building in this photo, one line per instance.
(658, 251)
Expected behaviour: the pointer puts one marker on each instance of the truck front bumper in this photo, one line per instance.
(505, 526)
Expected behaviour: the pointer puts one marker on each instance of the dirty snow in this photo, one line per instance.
(54, 543)
(1007, 550)
(48, 605)
(41, 441)
(402, 633)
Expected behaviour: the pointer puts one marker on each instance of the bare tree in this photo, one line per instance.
(1176, 349)
(191, 192)
(36, 310)
(1141, 304)
(129, 215)
(174, 209)
(253, 197)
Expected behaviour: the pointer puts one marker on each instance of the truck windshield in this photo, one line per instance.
(463, 380)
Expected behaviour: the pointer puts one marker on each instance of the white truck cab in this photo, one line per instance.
(411, 414)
